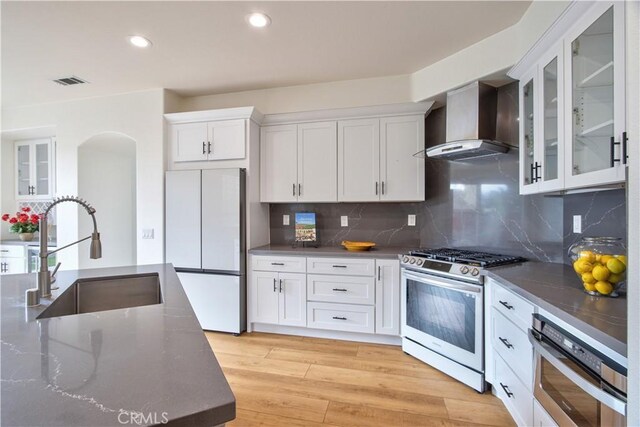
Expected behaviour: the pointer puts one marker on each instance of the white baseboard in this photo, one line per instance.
(321, 333)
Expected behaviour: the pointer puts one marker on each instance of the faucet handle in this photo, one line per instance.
(53, 273)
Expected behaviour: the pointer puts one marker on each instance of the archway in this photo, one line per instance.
(107, 180)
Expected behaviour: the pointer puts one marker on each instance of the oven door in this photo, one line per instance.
(572, 395)
(444, 316)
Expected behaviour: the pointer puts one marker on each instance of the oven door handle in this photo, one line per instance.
(461, 287)
(553, 356)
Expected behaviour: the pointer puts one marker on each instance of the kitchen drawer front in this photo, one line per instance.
(279, 263)
(12, 251)
(342, 266)
(512, 306)
(340, 317)
(514, 347)
(516, 397)
(341, 289)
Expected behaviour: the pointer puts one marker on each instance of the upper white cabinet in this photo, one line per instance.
(572, 116)
(34, 166)
(359, 160)
(298, 163)
(217, 140)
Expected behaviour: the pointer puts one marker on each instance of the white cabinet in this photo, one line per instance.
(279, 298)
(541, 418)
(13, 265)
(388, 297)
(375, 159)
(341, 317)
(516, 397)
(572, 90)
(298, 163)
(340, 289)
(351, 266)
(34, 166)
(202, 141)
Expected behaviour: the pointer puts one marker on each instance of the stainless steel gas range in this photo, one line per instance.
(443, 309)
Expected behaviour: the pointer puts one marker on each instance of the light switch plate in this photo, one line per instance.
(344, 221)
(577, 223)
(147, 233)
(411, 220)
(285, 219)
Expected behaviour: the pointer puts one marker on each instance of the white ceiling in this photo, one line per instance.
(206, 47)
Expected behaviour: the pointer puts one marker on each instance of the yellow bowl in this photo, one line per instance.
(357, 246)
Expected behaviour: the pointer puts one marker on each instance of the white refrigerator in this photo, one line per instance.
(205, 242)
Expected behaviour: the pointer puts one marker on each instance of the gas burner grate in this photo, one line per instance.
(462, 256)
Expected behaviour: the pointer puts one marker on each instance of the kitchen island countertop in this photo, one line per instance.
(136, 366)
(389, 252)
(556, 289)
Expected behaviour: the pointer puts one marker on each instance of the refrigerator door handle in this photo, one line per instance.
(280, 285)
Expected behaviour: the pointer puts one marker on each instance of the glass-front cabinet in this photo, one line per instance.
(572, 117)
(34, 169)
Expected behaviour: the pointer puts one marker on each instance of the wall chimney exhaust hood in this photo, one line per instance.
(471, 125)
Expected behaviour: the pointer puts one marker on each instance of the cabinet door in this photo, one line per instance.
(183, 219)
(594, 57)
(317, 162)
(23, 170)
(265, 296)
(42, 168)
(528, 133)
(189, 141)
(401, 174)
(13, 266)
(227, 140)
(388, 297)
(292, 289)
(359, 160)
(278, 164)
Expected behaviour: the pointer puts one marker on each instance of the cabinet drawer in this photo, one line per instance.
(279, 263)
(514, 347)
(342, 289)
(516, 397)
(512, 306)
(340, 317)
(345, 266)
(12, 251)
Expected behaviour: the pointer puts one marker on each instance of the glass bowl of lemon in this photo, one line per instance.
(601, 264)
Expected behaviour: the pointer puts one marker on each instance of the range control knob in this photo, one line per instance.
(475, 272)
(419, 262)
(464, 269)
(405, 259)
(412, 261)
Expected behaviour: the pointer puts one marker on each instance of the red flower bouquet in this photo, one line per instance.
(23, 222)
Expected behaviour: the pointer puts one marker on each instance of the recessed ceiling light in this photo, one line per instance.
(139, 41)
(258, 20)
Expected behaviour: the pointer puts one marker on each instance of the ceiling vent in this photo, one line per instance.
(69, 81)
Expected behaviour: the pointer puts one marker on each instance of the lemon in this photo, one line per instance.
(588, 278)
(616, 266)
(600, 273)
(605, 288)
(615, 278)
(589, 287)
(582, 266)
(604, 258)
(622, 258)
(588, 255)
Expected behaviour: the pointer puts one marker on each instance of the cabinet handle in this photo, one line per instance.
(209, 147)
(294, 188)
(612, 158)
(339, 290)
(376, 188)
(299, 189)
(274, 285)
(624, 148)
(506, 304)
(506, 390)
(277, 263)
(506, 342)
(532, 178)
(339, 318)
(280, 285)
(382, 187)
(339, 266)
(538, 167)
(203, 148)
(379, 273)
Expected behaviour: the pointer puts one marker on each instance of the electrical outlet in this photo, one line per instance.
(344, 221)
(411, 220)
(147, 233)
(577, 223)
(285, 219)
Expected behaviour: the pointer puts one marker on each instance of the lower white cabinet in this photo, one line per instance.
(13, 259)
(513, 345)
(516, 396)
(387, 297)
(541, 418)
(340, 289)
(279, 298)
(341, 317)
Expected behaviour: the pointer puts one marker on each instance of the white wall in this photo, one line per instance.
(138, 115)
(107, 177)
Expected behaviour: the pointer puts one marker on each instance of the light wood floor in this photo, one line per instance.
(282, 380)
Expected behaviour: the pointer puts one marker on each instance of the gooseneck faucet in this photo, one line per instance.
(45, 278)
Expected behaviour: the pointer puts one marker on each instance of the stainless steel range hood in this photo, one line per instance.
(471, 124)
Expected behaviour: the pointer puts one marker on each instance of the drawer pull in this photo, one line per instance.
(339, 318)
(274, 285)
(506, 342)
(280, 285)
(339, 290)
(506, 304)
(506, 390)
(4, 250)
(277, 263)
(339, 266)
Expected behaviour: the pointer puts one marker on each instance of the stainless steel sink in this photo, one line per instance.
(106, 293)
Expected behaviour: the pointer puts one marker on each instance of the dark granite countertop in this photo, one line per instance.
(389, 252)
(151, 363)
(556, 289)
